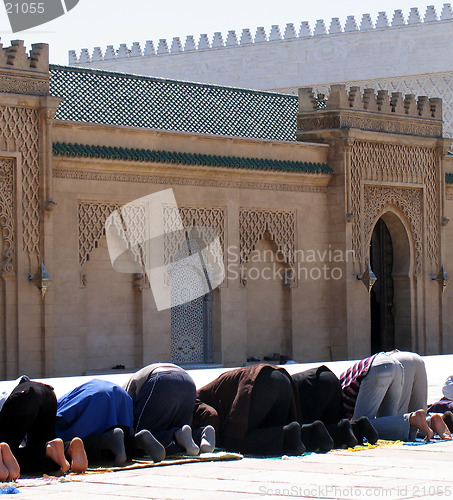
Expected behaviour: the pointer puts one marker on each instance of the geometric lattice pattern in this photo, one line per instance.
(91, 224)
(396, 163)
(191, 330)
(141, 101)
(281, 224)
(175, 241)
(7, 214)
(191, 322)
(20, 132)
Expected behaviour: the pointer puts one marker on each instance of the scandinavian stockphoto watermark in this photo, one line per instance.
(312, 264)
(147, 235)
(331, 491)
(29, 14)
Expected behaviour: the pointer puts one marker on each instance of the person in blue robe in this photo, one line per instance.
(101, 413)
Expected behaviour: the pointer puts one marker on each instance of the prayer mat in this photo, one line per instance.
(8, 488)
(22, 482)
(176, 459)
(382, 443)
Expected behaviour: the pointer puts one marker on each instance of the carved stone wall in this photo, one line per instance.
(281, 225)
(20, 132)
(399, 164)
(7, 217)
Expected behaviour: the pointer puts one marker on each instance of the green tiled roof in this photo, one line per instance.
(449, 178)
(147, 155)
(140, 101)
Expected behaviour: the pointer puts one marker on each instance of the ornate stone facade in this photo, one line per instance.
(397, 164)
(384, 164)
(20, 132)
(7, 214)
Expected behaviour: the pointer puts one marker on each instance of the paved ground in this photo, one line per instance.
(398, 472)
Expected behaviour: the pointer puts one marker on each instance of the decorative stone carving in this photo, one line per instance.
(154, 179)
(213, 217)
(281, 225)
(91, 221)
(7, 186)
(408, 200)
(401, 164)
(20, 132)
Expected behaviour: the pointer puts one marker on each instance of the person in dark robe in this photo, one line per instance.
(163, 397)
(100, 412)
(255, 410)
(27, 425)
(321, 398)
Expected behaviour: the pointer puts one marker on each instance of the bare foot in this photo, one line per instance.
(439, 426)
(10, 462)
(4, 473)
(55, 451)
(418, 420)
(76, 451)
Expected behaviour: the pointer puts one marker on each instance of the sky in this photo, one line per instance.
(93, 23)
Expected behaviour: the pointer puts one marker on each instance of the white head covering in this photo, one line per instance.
(447, 389)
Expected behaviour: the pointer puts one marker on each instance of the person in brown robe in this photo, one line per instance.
(255, 410)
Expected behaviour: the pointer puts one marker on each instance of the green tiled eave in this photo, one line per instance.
(105, 97)
(449, 178)
(147, 155)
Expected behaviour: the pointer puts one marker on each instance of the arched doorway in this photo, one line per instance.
(382, 293)
(391, 295)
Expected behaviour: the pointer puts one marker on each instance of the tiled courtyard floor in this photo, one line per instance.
(397, 472)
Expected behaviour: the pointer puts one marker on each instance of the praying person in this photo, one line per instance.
(164, 397)
(254, 410)
(28, 414)
(387, 388)
(100, 412)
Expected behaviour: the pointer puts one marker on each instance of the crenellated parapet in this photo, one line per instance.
(370, 110)
(22, 73)
(321, 28)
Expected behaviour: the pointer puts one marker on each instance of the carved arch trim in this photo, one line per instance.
(92, 216)
(407, 201)
(281, 225)
(396, 165)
